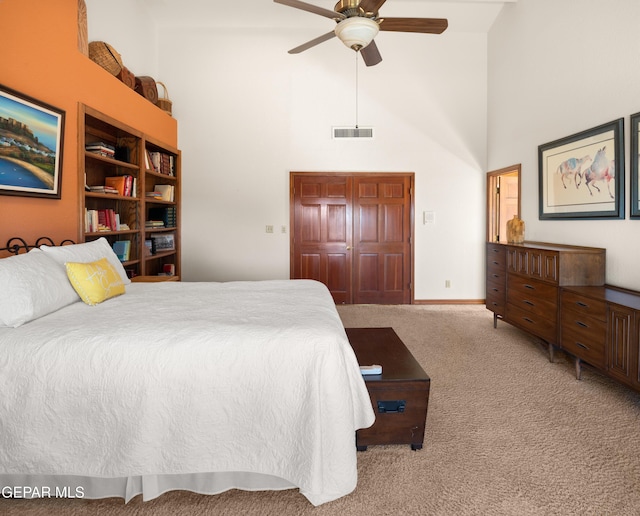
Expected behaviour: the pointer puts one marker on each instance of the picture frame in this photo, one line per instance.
(635, 166)
(31, 144)
(162, 243)
(582, 176)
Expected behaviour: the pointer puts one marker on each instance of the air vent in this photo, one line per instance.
(352, 132)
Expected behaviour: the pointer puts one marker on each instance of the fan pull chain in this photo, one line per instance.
(357, 55)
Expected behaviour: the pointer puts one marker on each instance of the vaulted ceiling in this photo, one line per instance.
(463, 15)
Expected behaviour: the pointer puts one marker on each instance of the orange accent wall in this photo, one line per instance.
(40, 58)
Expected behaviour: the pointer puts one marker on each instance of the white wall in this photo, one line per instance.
(252, 113)
(558, 67)
(127, 27)
(249, 113)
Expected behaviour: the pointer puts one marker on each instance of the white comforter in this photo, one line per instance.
(178, 378)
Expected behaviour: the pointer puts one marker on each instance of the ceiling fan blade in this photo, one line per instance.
(312, 9)
(371, 6)
(371, 54)
(313, 43)
(424, 25)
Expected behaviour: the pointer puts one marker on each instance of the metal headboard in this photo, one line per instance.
(16, 245)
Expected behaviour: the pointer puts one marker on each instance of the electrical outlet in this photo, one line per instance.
(269, 229)
(283, 229)
(447, 283)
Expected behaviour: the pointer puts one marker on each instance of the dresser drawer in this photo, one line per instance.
(585, 307)
(496, 273)
(533, 296)
(585, 340)
(496, 257)
(496, 305)
(496, 288)
(499, 277)
(533, 287)
(544, 327)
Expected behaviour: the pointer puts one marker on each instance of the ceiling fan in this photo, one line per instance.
(358, 23)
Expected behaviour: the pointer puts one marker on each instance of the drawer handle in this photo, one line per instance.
(391, 406)
(580, 323)
(582, 345)
(528, 320)
(495, 276)
(583, 305)
(496, 263)
(494, 289)
(527, 302)
(529, 287)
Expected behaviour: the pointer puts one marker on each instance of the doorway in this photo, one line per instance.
(503, 201)
(354, 233)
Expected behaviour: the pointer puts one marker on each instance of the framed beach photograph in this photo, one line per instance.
(30, 146)
(582, 176)
(635, 168)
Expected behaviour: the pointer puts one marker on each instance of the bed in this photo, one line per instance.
(172, 385)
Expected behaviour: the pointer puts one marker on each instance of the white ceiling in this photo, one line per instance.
(463, 15)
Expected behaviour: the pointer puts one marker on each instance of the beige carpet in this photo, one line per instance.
(508, 433)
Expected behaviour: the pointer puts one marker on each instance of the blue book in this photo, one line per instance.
(122, 249)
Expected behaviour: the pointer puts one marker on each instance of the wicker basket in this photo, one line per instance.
(164, 103)
(106, 56)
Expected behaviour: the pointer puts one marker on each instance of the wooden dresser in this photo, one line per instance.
(601, 326)
(524, 280)
(558, 293)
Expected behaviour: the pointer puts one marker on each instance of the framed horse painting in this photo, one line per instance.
(582, 176)
(635, 166)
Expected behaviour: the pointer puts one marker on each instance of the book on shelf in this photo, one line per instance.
(103, 220)
(153, 195)
(160, 162)
(165, 214)
(103, 189)
(155, 160)
(122, 248)
(166, 191)
(101, 148)
(117, 182)
(123, 184)
(107, 218)
(148, 247)
(154, 224)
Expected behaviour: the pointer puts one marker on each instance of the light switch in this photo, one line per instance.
(428, 217)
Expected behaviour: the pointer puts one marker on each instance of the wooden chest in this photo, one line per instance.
(400, 395)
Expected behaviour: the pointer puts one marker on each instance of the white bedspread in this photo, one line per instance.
(209, 377)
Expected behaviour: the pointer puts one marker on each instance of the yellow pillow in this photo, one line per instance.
(95, 282)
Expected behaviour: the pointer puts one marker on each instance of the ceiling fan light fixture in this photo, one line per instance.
(357, 32)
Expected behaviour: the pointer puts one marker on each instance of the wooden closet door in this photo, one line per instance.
(322, 232)
(382, 239)
(353, 233)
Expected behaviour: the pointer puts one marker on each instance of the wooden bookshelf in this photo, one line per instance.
(131, 158)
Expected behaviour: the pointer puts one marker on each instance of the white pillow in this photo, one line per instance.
(85, 253)
(32, 285)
